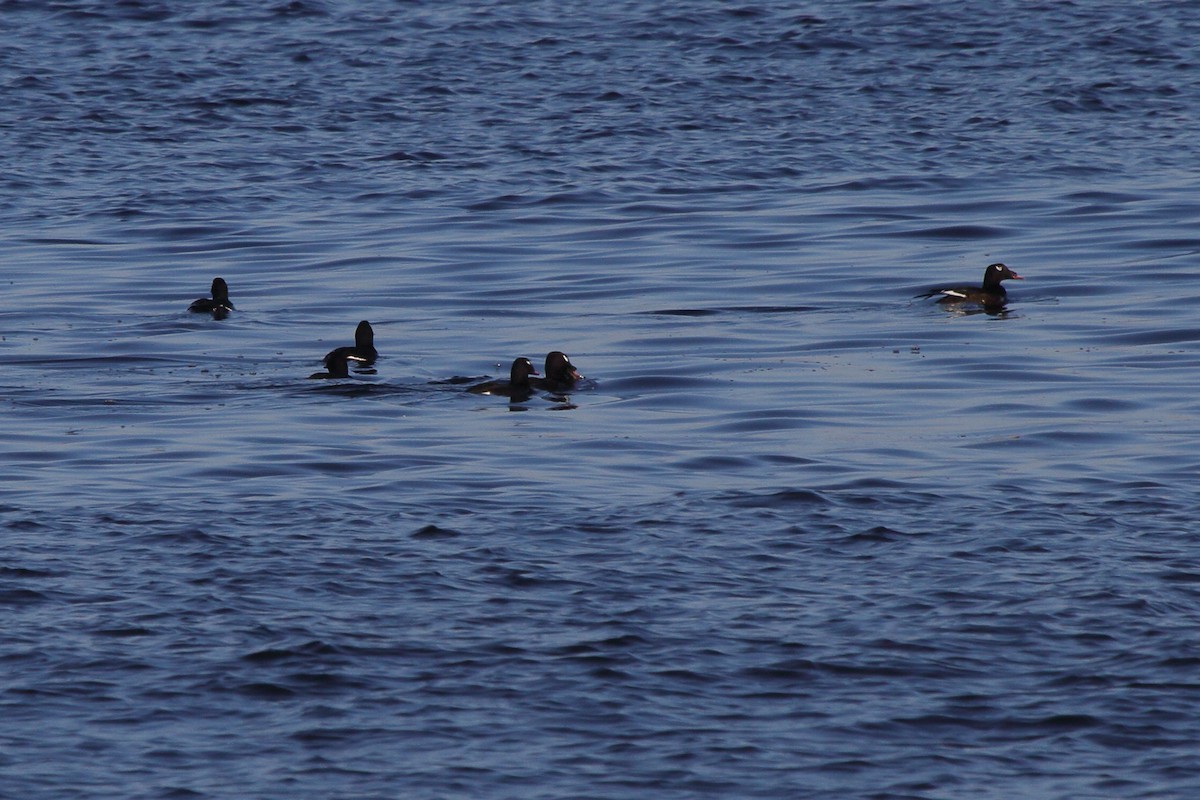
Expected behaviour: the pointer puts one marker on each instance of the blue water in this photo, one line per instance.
(798, 534)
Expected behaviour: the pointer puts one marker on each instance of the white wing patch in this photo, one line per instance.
(953, 293)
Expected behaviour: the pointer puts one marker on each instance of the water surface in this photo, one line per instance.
(799, 534)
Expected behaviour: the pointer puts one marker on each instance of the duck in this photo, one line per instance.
(338, 366)
(992, 293)
(218, 305)
(560, 374)
(517, 387)
(363, 350)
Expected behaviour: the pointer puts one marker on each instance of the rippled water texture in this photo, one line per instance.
(797, 533)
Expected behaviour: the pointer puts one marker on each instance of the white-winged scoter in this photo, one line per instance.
(560, 374)
(517, 387)
(363, 350)
(218, 305)
(991, 294)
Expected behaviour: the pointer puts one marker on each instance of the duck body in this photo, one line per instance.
(363, 350)
(560, 374)
(517, 387)
(992, 293)
(338, 367)
(218, 305)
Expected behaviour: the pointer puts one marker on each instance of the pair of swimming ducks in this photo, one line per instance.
(561, 375)
(524, 380)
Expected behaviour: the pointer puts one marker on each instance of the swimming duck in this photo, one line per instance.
(560, 375)
(992, 292)
(517, 386)
(363, 350)
(218, 305)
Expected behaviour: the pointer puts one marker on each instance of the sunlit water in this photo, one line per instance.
(798, 534)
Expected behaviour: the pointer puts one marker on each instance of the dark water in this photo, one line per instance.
(798, 535)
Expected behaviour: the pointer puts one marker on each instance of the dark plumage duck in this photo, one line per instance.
(363, 350)
(338, 366)
(560, 375)
(218, 305)
(991, 294)
(516, 387)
